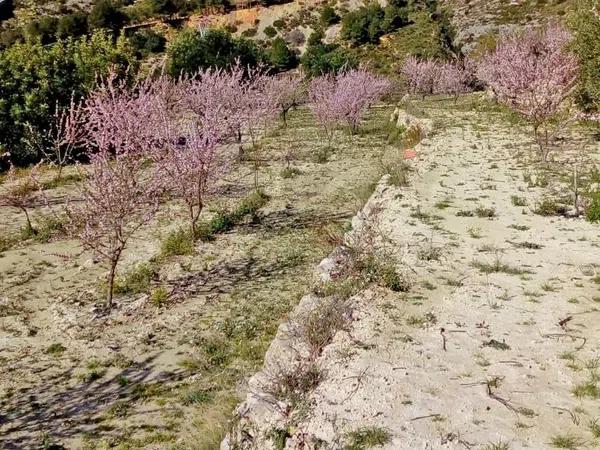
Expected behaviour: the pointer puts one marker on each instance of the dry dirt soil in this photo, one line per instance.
(495, 346)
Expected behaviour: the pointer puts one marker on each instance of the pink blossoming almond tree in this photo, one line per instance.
(430, 76)
(66, 135)
(120, 192)
(345, 98)
(191, 168)
(287, 92)
(535, 74)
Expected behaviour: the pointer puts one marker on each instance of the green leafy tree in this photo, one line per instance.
(586, 28)
(195, 49)
(320, 59)
(368, 23)
(43, 29)
(329, 16)
(106, 14)
(36, 79)
(148, 41)
(270, 32)
(280, 56)
(72, 25)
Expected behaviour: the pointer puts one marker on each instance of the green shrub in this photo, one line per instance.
(55, 349)
(592, 212)
(148, 41)
(42, 30)
(106, 14)
(586, 28)
(224, 220)
(290, 172)
(194, 49)
(280, 56)
(319, 59)
(250, 32)
(43, 77)
(72, 25)
(136, 281)
(279, 24)
(270, 32)
(178, 242)
(329, 16)
(159, 296)
(368, 23)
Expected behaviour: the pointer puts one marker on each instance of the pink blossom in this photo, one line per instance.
(535, 75)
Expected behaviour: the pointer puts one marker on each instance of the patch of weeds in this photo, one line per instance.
(321, 155)
(319, 326)
(119, 409)
(566, 441)
(428, 285)
(394, 133)
(430, 253)
(487, 248)
(548, 207)
(196, 397)
(481, 360)
(363, 192)
(482, 212)
(46, 228)
(465, 213)
(428, 319)
(475, 232)
(519, 227)
(136, 281)
(499, 267)
(178, 242)
(367, 437)
(382, 272)
(527, 412)
(279, 436)
(341, 288)
(548, 287)
(592, 212)
(443, 204)
(527, 245)
(145, 391)
(290, 172)
(454, 282)
(589, 389)
(398, 173)
(159, 296)
(497, 345)
(62, 181)
(595, 428)
(94, 372)
(497, 446)
(295, 383)
(55, 349)
(215, 350)
(518, 201)
(122, 380)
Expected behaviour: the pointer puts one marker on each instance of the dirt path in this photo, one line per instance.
(495, 346)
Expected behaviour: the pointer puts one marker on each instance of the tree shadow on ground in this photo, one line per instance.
(31, 413)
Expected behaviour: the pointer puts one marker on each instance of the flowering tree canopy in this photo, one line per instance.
(534, 74)
(345, 98)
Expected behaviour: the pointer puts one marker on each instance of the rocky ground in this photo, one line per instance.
(495, 344)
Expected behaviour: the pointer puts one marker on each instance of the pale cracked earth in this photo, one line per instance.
(467, 359)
